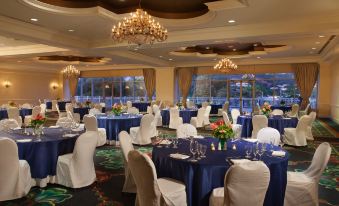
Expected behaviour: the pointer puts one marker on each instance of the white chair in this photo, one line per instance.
(61, 114)
(235, 113)
(64, 122)
(199, 119)
(91, 124)
(142, 135)
(309, 135)
(277, 112)
(302, 187)
(13, 113)
(43, 110)
(129, 104)
(8, 124)
(258, 122)
(269, 135)
(190, 104)
(294, 112)
(157, 115)
(132, 110)
(70, 109)
(207, 116)
(297, 136)
(223, 109)
(102, 104)
(54, 105)
(152, 191)
(127, 146)
(77, 170)
(175, 119)
(149, 110)
(98, 107)
(304, 112)
(205, 104)
(15, 174)
(94, 111)
(26, 106)
(186, 130)
(225, 117)
(241, 182)
(35, 111)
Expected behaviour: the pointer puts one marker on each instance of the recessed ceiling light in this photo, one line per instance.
(314, 48)
(231, 21)
(160, 56)
(321, 36)
(34, 19)
(258, 57)
(71, 30)
(19, 61)
(170, 59)
(230, 46)
(135, 49)
(317, 42)
(234, 49)
(207, 47)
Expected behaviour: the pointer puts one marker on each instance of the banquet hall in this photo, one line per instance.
(169, 103)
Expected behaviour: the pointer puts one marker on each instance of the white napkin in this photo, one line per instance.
(24, 140)
(250, 140)
(17, 128)
(239, 161)
(287, 118)
(179, 156)
(54, 127)
(199, 137)
(278, 153)
(69, 135)
(165, 142)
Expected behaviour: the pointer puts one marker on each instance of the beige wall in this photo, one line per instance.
(165, 79)
(28, 86)
(334, 90)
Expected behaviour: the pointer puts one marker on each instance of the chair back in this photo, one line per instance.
(303, 123)
(147, 129)
(43, 108)
(35, 111)
(200, 115)
(190, 104)
(55, 105)
(94, 111)
(313, 116)
(148, 192)
(278, 112)
(125, 144)
(102, 104)
(26, 106)
(186, 130)
(235, 113)
(149, 110)
(69, 108)
(225, 106)
(269, 135)
(7, 124)
(258, 122)
(98, 107)
(244, 180)
(155, 108)
(133, 110)
(205, 104)
(90, 122)
(225, 117)
(129, 104)
(295, 110)
(174, 113)
(207, 112)
(13, 113)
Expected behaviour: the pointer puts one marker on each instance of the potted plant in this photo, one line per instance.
(222, 131)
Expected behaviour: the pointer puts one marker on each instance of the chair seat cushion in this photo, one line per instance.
(217, 197)
(298, 178)
(173, 191)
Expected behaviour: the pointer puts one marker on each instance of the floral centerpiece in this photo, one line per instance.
(222, 131)
(117, 109)
(88, 103)
(37, 123)
(266, 109)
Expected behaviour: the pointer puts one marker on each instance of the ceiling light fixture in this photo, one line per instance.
(71, 30)
(231, 21)
(170, 59)
(225, 65)
(34, 19)
(70, 72)
(317, 42)
(314, 48)
(140, 28)
(321, 36)
(258, 57)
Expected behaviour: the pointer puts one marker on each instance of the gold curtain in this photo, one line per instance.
(72, 84)
(306, 75)
(149, 78)
(184, 76)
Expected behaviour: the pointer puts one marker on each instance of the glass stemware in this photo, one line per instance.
(193, 150)
(248, 150)
(261, 151)
(203, 149)
(255, 151)
(175, 143)
(198, 152)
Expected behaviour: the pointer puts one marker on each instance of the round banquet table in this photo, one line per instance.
(115, 124)
(23, 113)
(186, 115)
(61, 104)
(42, 156)
(214, 108)
(200, 178)
(85, 110)
(277, 122)
(283, 108)
(141, 106)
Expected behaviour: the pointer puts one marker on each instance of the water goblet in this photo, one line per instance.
(175, 143)
(260, 152)
(203, 149)
(193, 150)
(248, 150)
(254, 151)
(198, 152)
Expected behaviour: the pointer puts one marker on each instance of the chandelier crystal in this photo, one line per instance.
(225, 65)
(70, 72)
(139, 28)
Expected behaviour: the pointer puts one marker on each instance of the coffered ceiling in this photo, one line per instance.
(32, 28)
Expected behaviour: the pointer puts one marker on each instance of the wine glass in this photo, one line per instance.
(254, 151)
(203, 149)
(248, 151)
(260, 151)
(175, 143)
(198, 151)
(193, 150)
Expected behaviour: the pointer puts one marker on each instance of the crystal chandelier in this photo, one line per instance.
(225, 65)
(139, 28)
(70, 71)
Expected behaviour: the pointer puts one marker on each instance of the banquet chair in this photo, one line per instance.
(304, 112)
(235, 113)
(153, 191)
(225, 117)
(302, 187)
(132, 110)
(256, 109)
(207, 116)
(61, 114)
(43, 110)
(75, 116)
(8, 124)
(186, 130)
(149, 110)
(309, 135)
(35, 111)
(223, 109)
(294, 112)
(127, 146)
(297, 136)
(91, 124)
(15, 174)
(102, 104)
(129, 104)
(55, 105)
(240, 183)
(26, 106)
(13, 113)
(269, 135)
(142, 135)
(258, 122)
(205, 104)
(77, 170)
(197, 121)
(237, 128)
(157, 115)
(175, 119)
(277, 112)
(98, 107)
(64, 121)
(94, 111)
(190, 104)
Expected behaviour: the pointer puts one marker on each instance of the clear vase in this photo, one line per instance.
(38, 131)
(223, 144)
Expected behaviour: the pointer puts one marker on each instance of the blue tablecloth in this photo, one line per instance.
(283, 108)
(202, 177)
(214, 108)
(142, 106)
(186, 115)
(61, 104)
(23, 113)
(42, 156)
(115, 124)
(85, 110)
(278, 123)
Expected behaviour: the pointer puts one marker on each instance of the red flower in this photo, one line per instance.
(214, 126)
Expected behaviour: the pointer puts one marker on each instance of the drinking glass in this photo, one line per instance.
(175, 143)
(193, 150)
(198, 152)
(203, 149)
(261, 151)
(254, 151)
(248, 151)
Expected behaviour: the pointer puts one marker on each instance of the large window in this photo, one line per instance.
(111, 90)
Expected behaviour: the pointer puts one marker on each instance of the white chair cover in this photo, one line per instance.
(35, 111)
(91, 124)
(149, 110)
(15, 174)
(64, 122)
(157, 115)
(313, 116)
(7, 124)
(133, 110)
(241, 182)
(70, 109)
(175, 119)
(207, 116)
(304, 112)
(205, 104)
(302, 187)
(186, 130)
(13, 113)
(26, 106)
(43, 109)
(269, 135)
(150, 190)
(76, 170)
(94, 111)
(54, 105)
(223, 109)
(61, 114)
(98, 107)
(126, 147)
(258, 122)
(199, 119)
(142, 135)
(294, 112)
(190, 104)
(277, 112)
(129, 104)
(237, 128)
(225, 117)
(102, 104)
(297, 136)
(235, 113)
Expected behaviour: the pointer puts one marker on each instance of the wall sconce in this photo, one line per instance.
(54, 86)
(7, 84)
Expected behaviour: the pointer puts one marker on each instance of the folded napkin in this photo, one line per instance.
(17, 128)
(278, 153)
(54, 127)
(199, 137)
(287, 118)
(179, 156)
(239, 161)
(165, 142)
(24, 140)
(70, 135)
(250, 140)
